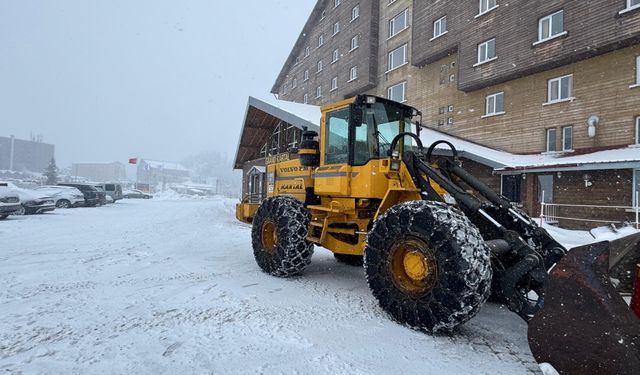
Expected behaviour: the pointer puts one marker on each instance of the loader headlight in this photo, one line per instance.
(395, 165)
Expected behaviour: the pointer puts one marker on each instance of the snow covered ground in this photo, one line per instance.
(171, 286)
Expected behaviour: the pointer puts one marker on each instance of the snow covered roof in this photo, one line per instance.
(263, 115)
(167, 165)
(623, 157)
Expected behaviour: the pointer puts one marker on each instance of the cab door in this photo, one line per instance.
(334, 174)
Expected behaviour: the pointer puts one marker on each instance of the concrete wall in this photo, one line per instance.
(99, 172)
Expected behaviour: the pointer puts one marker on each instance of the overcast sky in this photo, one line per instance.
(108, 80)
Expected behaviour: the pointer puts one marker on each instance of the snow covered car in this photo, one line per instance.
(102, 194)
(64, 196)
(9, 201)
(31, 201)
(136, 194)
(91, 194)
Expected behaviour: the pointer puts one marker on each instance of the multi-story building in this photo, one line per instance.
(23, 155)
(558, 79)
(99, 171)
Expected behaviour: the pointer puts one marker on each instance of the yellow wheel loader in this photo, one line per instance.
(434, 240)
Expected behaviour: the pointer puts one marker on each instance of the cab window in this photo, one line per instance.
(380, 124)
(336, 149)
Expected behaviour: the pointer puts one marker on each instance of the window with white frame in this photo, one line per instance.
(397, 57)
(486, 51)
(355, 42)
(306, 75)
(397, 92)
(334, 83)
(336, 56)
(294, 83)
(318, 91)
(284, 89)
(551, 140)
(638, 69)
(355, 12)
(636, 187)
(631, 5)
(399, 23)
(487, 6)
(305, 99)
(353, 73)
(297, 59)
(638, 130)
(494, 104)
(319, 66)
(336, 28)
(440, 27)
(551, 26)
(567, 138)
(559, 89)
(320, 40)
(306, 52)
(336, 3)
(324, 14)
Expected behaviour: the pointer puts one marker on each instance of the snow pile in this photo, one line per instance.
(574, 238)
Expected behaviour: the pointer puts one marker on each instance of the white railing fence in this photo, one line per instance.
(551, 213)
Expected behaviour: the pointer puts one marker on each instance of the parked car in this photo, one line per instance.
(102, 194)
(136, 194)
(31, 202)
(9, 201)
(91, 194)
(64, 196)
(114, 191)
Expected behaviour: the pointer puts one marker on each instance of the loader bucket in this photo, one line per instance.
(585, 326)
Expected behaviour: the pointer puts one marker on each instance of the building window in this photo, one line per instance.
(355, 12)
(636, 187)
(397, 58)
(487, 6)
(551, 140)
(439, 27)
(334, 83)
(397, 92)
(486, 51)
(559, 89)
(305, 99)
(399, 23)
(306, 52)
(319, 66)
(567, 138)
(284, 89)
(336, 3)
(324, 14)
(318, 91)
(306, 75)
(297, 60)
(638, 130)
(637, 84)
(494, 104)
(336, 56)
(353, 73)
(355, 42)
(336, 28)
(631, 5)
(320, 40)
(294, 83)
(551, 26)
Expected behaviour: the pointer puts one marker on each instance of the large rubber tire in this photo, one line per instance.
(351, 260)
(279, 237)
(453, 246)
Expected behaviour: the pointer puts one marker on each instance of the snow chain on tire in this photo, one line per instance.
(291, 252)
(462, 278)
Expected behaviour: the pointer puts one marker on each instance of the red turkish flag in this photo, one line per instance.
(133, 161)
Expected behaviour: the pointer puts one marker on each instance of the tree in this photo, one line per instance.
(52, 172)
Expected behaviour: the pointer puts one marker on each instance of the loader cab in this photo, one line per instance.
(355, 142)
(361, 129)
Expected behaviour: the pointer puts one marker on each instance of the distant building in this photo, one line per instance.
(23, 155)
(151, 173)
(99, 172)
